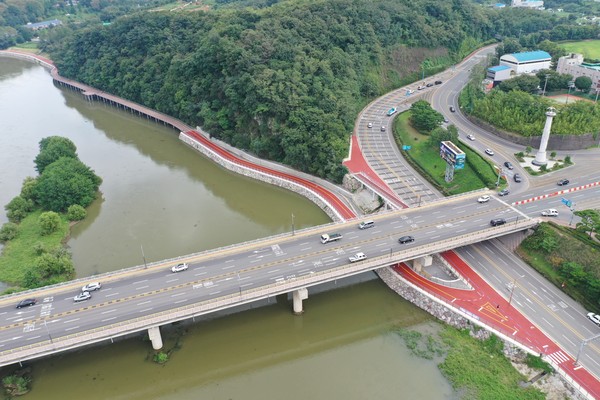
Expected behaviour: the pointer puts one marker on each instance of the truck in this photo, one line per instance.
(332, 237)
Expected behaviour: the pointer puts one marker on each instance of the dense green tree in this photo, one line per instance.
(28, 188)
(583, 83)
(51, 149)
(76, 213)
(524, 83)
(555, 80)
(9, 231)
(49, 222)
(65, 182)
(18, 208)
(423, 117)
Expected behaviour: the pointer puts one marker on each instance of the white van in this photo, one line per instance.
(366, 224)
(551, 212)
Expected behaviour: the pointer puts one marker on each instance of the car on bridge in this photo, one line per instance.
(26, 303)
(358, 257)
(90, 287)
(179, 267)
(406, 239)
(551, 212)
(497, 222)
(83, 296)
(366, 224)
(595, 318)
(562, 182)
(484, 199)
(503, 192)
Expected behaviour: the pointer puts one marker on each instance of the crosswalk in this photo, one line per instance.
(558, 357)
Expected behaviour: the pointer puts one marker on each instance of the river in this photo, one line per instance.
(161, 199)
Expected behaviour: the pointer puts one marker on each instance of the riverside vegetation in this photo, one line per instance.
(33, 255)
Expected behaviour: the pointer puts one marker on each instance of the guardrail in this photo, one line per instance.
(138, 324)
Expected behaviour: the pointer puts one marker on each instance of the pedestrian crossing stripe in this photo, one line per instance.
(558, 357)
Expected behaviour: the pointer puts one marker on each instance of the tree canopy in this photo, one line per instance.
(51, 149)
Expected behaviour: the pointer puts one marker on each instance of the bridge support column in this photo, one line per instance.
(298, 296)
(419, 263)
(155, 338)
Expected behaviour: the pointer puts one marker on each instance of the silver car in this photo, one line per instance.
(83, 296)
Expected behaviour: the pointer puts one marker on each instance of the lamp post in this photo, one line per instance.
(293, 231)
(144, 257)
(545, 83)
(571, 84)
(48, 331)
(514, 285)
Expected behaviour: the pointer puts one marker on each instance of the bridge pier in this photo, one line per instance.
(298, 296)
(419, 263)
(155, 338)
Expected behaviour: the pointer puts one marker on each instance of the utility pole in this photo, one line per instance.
(144, 257)
(545, 83)
(293, 231)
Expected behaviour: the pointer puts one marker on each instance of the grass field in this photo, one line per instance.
(589, 48)
(428, 160)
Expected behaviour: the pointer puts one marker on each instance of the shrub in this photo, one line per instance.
(39, 248)
(9, 231)
(18, 208)
(161, 357)
(76, 212)
(49, 222)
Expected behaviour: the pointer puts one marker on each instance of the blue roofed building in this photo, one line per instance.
(528, 62)
(43, 25)
(499, 73)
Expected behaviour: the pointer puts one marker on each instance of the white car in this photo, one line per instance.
(595, 318)
(90, 287)
(358, 257)
(484, 199)
(551, 212)
(83, 296)
(370, 125)
(179, 267)
(489, 152)
(470, 137)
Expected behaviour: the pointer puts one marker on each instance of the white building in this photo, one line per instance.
(527, 62)
(573, 65)
(538, 4)
(499, 73)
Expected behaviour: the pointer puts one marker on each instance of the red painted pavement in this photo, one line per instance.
(488, 306)
(358, 166)
(332, 199)
(558, 193)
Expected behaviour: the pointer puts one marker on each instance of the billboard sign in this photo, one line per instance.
(452, 154)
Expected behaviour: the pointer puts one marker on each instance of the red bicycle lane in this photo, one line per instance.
(343, 210)
(484, 304)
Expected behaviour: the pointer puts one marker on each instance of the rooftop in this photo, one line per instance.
(498, 68)
(531, 56)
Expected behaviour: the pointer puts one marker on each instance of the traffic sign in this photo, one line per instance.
(566, 202)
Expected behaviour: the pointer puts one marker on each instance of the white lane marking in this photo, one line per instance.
(108, 319)
(138, 282)
(144, 302)
(108, 311)
(180, 301)
(71, 328)
(273, 271)
(177, 294)
(305, 248)
(201, 273)
(232, 260)
(244, 278)
(145, 309)
(228, 267)
(382, 244)
(70, 320)
(33, 337)
(217, 292)
(172, 280)
(247, 284)
(111, 294)
(435, 237)
(142, 287)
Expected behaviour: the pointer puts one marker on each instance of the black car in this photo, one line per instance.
(563, 182)
(508, 165)
(503, 192)
(429, 84)
(406, 239)
(517, 178)
(497, 221)
(26, 303)
(438, 82)
(452, 109)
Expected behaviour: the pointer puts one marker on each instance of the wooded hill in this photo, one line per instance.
(285, 82)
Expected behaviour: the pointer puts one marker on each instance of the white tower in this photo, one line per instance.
(540, 157)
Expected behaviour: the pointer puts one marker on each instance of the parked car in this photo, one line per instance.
(595, 318)
(497, 222)
(484, 199)
(508, 165)
(471, 137)
(370, 125)
(489, 152)
(26, 303)
(517, 178)
(179, 267)
(406, 239)
(421, 87)
(357, 257)
(429, 84)
(83, 296)
(90, 287)
(551, 212)
(503, 192)
(563, 182)
(438, 82)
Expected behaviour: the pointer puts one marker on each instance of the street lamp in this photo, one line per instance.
(545, 83)
(293, 231)
(514, 285)
(144, 257)
(571, 85)
(48, 331)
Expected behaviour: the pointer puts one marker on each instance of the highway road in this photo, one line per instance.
(233, 270)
